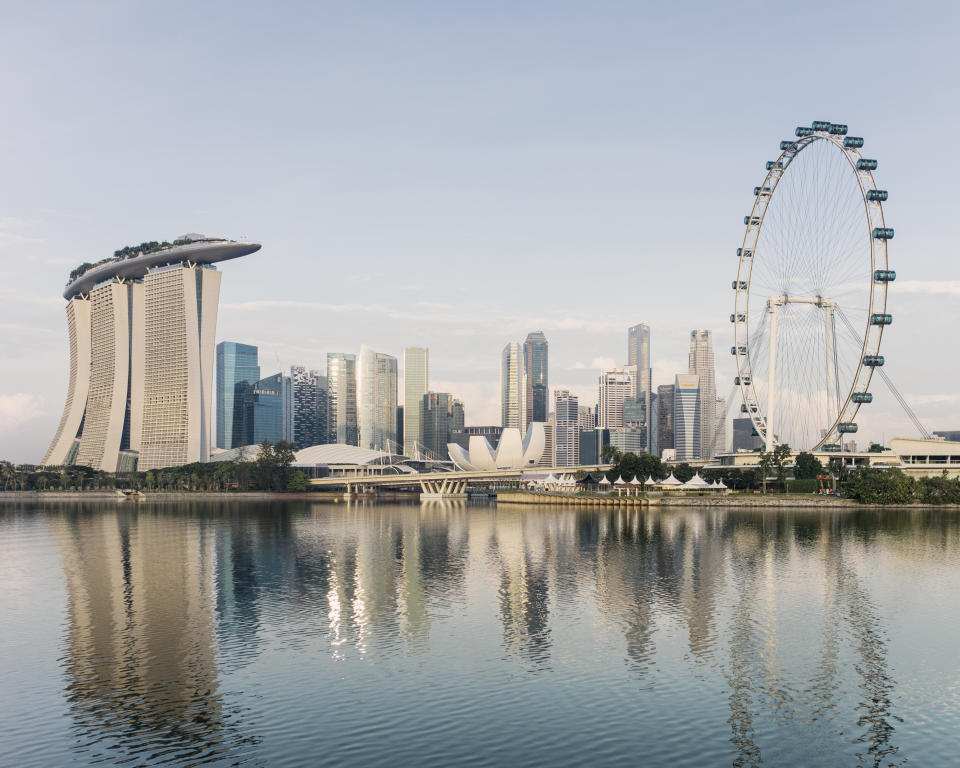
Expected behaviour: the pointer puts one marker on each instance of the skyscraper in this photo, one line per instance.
(512, 388)
(416, 383)
(535, 372)
(720, 444)
(744, 435)
(286, 431)
(665, 396)
(587, 418)
(268, 410)
(309, 407)
(377, 400)
(638, 354)
(237, 364)
(442, 416)
(686, 416)
(616, 387)
(549, 456)
(566, 409)
(142, 330)
(342, 398)
(702, 365)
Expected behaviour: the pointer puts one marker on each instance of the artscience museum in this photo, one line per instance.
(512, 452)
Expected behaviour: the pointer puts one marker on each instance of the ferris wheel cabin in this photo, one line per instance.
(884, 275)
(883, 233)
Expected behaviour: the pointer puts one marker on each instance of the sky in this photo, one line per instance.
(455, 175)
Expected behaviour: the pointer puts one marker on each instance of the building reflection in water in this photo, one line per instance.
(140, 650)
(164, 601)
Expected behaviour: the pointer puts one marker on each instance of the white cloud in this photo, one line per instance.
(17, 409)
(949, 287)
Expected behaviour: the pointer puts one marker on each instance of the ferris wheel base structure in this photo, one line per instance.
(814, 251)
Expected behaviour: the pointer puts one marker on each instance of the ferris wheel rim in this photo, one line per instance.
(872, 334)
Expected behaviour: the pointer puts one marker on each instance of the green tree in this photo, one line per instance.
(781, 452)
(875, 448)
(683, 472)
(807, 466)
(939, 490)
(283, 453)
(609, 455)
(298, 481)
(879, 486)
(765, 465)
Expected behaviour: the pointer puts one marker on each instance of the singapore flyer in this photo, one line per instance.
(810, 302)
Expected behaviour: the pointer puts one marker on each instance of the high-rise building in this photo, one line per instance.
(535, 372)
(702, 365)
(416, 383)
(744, 435)
(628, 440)
(512, 388)
(686, 416)
(286, 432)
(237, 365)
(549, 456)
(377, 400)
(664, 417)
(638, 354)
(268, 411)
(342, 398)
(442, 416)
(720, 444)
(309, 407)
(616, 388)
(142, 332)
(566, 411)
(586, 418)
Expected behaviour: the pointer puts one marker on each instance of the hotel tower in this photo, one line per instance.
(142, 328)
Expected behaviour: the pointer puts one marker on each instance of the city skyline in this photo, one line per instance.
(523, 169)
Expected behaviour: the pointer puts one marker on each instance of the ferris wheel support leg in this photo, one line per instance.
(831, 363)
(772, 387)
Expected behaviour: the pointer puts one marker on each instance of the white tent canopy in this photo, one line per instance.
(620, 481)
(695, 483)
(650, 481)
(670, 482)
(604, 481)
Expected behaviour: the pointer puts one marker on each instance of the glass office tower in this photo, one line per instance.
(237, 364)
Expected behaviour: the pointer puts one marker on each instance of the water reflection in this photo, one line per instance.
(141, 673)
(774, 615)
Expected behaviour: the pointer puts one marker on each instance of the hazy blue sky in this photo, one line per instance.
(455, 175)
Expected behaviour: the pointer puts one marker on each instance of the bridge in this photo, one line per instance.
(442, 485)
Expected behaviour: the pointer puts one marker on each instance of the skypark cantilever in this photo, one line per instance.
(206, 250)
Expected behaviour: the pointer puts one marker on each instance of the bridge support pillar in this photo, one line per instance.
(448, 488)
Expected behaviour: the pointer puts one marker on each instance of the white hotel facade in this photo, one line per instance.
(142, 332)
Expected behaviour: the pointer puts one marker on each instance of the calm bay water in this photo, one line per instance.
(290, 634)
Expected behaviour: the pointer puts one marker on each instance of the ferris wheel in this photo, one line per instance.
(811, 290)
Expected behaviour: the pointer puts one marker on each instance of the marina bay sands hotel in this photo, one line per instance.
(142, 329)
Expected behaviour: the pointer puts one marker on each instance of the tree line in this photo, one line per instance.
(807, 474)
(271, 470)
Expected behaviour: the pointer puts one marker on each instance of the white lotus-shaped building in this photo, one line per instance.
(512, 452)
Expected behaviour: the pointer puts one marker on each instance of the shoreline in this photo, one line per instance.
(513, 498)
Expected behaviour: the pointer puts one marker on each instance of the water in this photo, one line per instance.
(290, 634)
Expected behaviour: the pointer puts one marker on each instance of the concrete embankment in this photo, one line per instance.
(740, 501)
(169, 496)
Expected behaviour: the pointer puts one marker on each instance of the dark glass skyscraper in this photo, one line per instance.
(268, 410)
(309, 407)
(442, 415)
(237, 365)
(535, 365)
